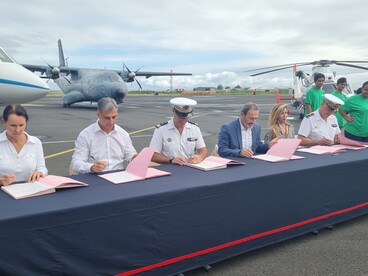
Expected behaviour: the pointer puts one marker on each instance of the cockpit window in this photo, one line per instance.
(106, 77)
(4, 57)
(115, 77)
(98, 79)
(329, 87)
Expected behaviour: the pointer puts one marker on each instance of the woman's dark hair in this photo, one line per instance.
(14, 109)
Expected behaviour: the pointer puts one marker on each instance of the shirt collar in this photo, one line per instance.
(97, 128)
(30, 139)
(243, 128)
(171, 124)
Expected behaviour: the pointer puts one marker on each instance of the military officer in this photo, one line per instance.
(320, 127)
(179, 141)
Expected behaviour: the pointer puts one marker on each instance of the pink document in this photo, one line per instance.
(351, 143)
(214, 163)
(283, 150)
(43, 186)
(136, 170)
(54, 181)
(322, 150)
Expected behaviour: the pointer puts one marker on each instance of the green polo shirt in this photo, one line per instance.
(357, 107)
(315, 97)
(341, 121)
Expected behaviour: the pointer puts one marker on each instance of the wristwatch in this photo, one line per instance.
(171, 159)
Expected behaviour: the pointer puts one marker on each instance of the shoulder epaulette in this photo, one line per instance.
(310, 115)
(161, 124)
(193, 123)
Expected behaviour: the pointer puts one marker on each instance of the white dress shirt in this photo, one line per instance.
(167, 140)
(93, 144)
(29, 159)
(315, 127)
(246, 137)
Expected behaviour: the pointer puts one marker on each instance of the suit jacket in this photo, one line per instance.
(230, 140)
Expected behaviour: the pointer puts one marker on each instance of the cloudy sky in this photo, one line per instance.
(216, 41)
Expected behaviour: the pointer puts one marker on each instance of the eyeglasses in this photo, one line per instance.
(332, 109)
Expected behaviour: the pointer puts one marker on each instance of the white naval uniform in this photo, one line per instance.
(167, 140)
(315, 128)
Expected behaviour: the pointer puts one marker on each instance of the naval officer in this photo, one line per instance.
(320, 127)
(179, 141)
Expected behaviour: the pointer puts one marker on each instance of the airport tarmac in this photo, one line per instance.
(340, 251)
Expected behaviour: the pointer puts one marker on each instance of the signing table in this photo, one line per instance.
(172, 224)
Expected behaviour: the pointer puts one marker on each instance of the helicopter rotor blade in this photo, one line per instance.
(269, 71)
(351, 65)
(283, 66)
(352, 61)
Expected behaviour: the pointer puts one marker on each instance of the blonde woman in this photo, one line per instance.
(278, 125)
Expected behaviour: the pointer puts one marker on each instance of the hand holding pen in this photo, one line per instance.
(98, 166)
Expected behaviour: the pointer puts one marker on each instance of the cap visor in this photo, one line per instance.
(183, 115)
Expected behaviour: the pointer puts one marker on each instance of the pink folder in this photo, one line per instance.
(137, 169)
(322, 150)
(349, 142)
(283, 150)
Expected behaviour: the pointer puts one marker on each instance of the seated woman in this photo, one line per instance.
(21, 155)
(278, 124)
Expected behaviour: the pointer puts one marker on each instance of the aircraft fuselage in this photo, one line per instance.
(92, 87)
(17, 84)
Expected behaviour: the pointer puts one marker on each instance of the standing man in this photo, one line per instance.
(179, 141)
(242, 137)
(341, 84)
(320, 127)
(103, 145)
(314, 97)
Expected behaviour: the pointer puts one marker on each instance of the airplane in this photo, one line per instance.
(302, 81)
(85, 84)
(17, 84)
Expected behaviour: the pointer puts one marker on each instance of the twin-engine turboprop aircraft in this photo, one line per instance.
(17, 84)
(84, 84)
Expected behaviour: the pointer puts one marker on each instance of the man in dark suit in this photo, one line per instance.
(242, 137)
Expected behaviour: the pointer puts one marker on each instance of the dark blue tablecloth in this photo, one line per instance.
(175, 223)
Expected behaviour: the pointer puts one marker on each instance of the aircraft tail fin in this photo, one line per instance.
(61, 54)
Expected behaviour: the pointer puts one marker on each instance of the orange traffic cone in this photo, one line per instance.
(277, 96)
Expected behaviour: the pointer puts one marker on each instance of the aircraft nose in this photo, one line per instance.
(120, 93)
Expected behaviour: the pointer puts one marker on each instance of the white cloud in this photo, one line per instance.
(216, 41)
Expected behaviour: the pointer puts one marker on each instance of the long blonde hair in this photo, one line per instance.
(275, 113)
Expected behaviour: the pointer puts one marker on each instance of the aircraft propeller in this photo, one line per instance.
(55, 71)
(131, 75)
(322, 62)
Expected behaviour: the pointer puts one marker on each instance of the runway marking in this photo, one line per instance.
(130, 133)
(57, 142)
(34, 104)
(58, 153)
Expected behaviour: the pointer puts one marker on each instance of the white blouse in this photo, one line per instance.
(29, 159)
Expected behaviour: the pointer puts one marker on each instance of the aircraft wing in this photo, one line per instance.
(155, 74)
(48, 68)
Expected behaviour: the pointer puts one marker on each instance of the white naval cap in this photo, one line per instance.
(183, 106)
(333, 102)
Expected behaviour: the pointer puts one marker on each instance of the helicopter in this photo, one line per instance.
(302, 81)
